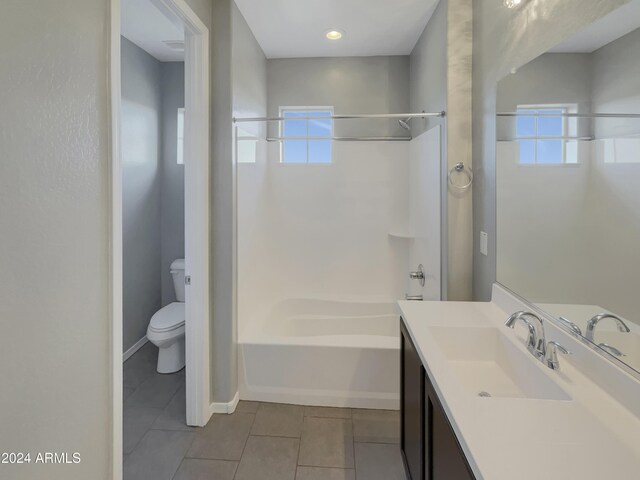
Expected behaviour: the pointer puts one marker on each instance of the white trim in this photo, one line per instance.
(115, 241)
(136, 346)
(197, 104)
(226, 408)
(197, 215)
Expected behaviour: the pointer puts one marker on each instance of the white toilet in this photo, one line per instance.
(166, 328)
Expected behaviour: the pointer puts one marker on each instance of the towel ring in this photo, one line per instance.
(459, 168)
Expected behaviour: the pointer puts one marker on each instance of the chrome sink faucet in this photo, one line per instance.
(536, 340)
(551, 355)
(591, 324)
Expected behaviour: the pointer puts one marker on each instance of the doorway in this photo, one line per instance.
(196, 114)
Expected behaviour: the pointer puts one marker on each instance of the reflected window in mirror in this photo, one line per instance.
(543, 135)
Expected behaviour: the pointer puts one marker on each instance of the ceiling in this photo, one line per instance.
(618, 23)
(296, 28)
(149, 28)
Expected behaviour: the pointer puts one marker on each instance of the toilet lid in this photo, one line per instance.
(168, 318)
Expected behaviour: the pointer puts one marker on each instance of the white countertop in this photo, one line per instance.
(590, 436)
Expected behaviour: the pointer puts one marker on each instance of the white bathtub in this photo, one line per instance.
(318, 352)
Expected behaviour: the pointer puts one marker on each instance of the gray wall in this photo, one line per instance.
(223, 345)
(429, 71)
(249, 75)
(172, 177)
(141, 124)
(54, 224)
(153, 186)
(504, 39)
(616, 85)
(231, 46)
(350, 84)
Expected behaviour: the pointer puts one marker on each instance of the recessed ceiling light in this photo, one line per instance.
(334, 34)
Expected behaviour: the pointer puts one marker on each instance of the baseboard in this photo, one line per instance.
(136, 346)
(228, 407)
(320, 398)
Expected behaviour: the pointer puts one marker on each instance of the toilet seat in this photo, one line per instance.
(168, 318)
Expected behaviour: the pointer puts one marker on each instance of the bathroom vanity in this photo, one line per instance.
(477, 404)
(430, 446)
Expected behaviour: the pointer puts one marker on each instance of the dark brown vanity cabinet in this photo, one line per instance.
(430, 448)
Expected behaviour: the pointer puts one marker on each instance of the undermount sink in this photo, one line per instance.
(488, 364)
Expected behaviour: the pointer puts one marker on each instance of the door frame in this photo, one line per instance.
(197, 218)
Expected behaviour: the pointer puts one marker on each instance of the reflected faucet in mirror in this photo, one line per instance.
(591, 324)
(612, 350)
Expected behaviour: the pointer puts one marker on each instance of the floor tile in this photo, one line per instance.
(376, 426)
(327, 412)
(198, 469)
(376, 461)
(126, 393)
(269, 458)
(174, 416)
(278, 420)
(157, 391)
(246, 406)
(326, 442)
(322, 473)
(157, 456)
(142, 365)
(223, 438)
(136, 423)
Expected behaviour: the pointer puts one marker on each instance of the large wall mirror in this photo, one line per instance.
(568, 183)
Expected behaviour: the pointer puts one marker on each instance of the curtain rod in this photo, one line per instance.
(571, 115)
(343, 139)
(341, 117)
(517, 139)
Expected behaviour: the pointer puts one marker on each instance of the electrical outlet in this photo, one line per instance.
(484, 243)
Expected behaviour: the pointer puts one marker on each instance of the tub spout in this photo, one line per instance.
(418, 298)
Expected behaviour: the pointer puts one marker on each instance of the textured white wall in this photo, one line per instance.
(54, 223)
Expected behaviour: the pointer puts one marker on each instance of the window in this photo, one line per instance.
(542, 139)
(180, 151)
(303, 139)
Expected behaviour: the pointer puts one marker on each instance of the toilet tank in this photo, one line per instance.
(177, 272)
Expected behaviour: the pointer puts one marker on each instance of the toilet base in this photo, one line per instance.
(171, 359)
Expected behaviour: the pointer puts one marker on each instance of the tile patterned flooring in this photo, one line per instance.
(260, 441)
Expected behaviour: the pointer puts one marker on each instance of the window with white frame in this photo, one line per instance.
(180, 142)
(306, 140)
(543, 135)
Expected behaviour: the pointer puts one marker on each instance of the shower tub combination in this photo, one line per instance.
(326, 353)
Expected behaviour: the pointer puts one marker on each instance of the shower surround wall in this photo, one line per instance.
(324, 249)
(153, 186)
(321, 231)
